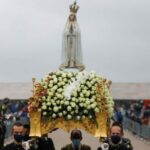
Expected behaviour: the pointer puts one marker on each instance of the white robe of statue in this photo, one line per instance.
(71, 48)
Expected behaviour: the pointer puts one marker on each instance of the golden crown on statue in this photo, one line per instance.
(74, 8)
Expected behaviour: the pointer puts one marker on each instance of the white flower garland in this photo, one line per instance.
(72, 95)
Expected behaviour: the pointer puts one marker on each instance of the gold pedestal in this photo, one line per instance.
(40, 126)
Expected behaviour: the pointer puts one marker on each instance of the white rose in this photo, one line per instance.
(69, 74)
(92, 100)
(44, 113)
(59, 84)
(55, 98)
(78, 89)
(77, 100)
(58, 73)
(83, 100)
(52, 101)
(89, 85)
(50, 85)
(63, 75)
(85, 111)
(44, 107)
(55, 109)
(81, 95)
(54, 104)
(93, 92)
(96, 110)
(72, 112)
(55, 87)
(78, 117)
(73, 104)
(93, 105)
(48, 98)
(39, 109)
(57, 102)
(66, 103)
(88, 107)
(51, 94)
(60, 107)
(80, 99)
(53, 115)
(59, 90)
(81, 104)
(87, 102)
(87, 94)
(43, 97)
(60, 114)
(84, 91)
(76, 111)
(64, 112)
(63, 83)
(45, 86)
(69, 116)
(93, 88)
(60, 79)
(94, 96)
(83, 117)
(74, 94)
(61, 102)
(69, 108)
(51, 82)
(48, 103)
(90, 116)
(73, 99)
(93, 82)
(65, 80)
(53, 76)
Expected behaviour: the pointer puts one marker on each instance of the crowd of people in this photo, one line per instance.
(139, 112)
(22, 140)
(16, 110)
(12, 110)
(135, 110)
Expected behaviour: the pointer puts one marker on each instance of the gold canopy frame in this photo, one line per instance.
(40, 126)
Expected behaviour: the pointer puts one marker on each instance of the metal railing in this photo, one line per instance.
(141, 130)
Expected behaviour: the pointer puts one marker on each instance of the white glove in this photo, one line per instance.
(26, 145)
(105, 146)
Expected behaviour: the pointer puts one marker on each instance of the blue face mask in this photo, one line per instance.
(18, 138)
(115, 139)
(76, 142)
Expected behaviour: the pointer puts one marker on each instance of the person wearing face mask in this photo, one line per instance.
(17, 132)
(76, 137)
(116, 141)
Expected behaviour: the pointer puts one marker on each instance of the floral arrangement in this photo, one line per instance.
(71, 95)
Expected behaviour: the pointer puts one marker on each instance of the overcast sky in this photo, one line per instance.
(115, 38)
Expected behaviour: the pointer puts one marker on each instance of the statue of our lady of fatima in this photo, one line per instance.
(71, 50)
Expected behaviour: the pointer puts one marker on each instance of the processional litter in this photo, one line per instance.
(71, 97)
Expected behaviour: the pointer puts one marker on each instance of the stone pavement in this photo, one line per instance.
(138, 143)
(62, 138)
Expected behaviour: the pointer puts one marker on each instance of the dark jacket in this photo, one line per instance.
(124, 145)
(45, 144)
(13, 146)
(2, 133)
(69, 147)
